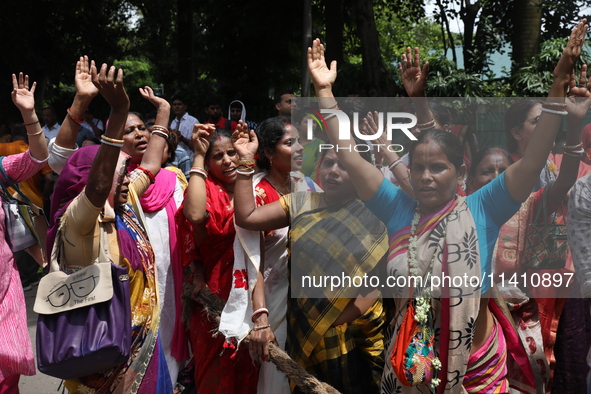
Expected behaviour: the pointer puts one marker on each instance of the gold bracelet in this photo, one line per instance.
(245, 172)
(37, 133)
(246, 163)
(161, 128)
(256, 328)
(113, 140)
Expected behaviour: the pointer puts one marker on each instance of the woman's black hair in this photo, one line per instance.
(482, 153)
(138, 115)
(218, 133)
(450, 144)
(515, 118)
(172, 143)
(441, 113)
(269, 133)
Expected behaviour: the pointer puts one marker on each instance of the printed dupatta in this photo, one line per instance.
(455, 307)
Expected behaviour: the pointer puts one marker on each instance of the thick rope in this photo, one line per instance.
(213, 306)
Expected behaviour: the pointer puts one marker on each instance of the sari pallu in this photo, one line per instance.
(457, 255)
(162, 195)
(345, 239)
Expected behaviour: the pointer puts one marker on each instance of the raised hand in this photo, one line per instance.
(83, 78)
(579, 99)
(322, 76)
(572, 51)
(22, 96)
(414, 79)
(149, 95)
(110, 88)
(245, 142)
(370, 127)
(201, 137)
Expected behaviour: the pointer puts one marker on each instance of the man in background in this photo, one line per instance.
(183, 123)
(51, 126)
(285, 102)
(237, 111)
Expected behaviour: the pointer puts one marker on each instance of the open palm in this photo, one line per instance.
(322, 76)
(414, 79)
(83, 78)
(22, 96)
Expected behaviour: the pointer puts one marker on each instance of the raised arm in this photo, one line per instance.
(414, 80)
(392, 159)
(195, 201)
(246, 214)
(24, 99)
(85, 93)
(521, 176)
(365, 177)
(100, 179)
(152, 159)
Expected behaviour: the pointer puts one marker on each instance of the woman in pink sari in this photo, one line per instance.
(16, 353)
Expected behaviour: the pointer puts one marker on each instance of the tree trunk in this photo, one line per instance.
(306, 42)
(445, 23)
(185, 41)
(375, 75)
(469, 12)
(333, 15)
(527, 31)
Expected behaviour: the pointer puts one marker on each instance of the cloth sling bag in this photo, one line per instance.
(546, 243)
(19, 218)
(84, 323)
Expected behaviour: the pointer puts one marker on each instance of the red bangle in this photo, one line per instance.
(148, 173)
(73, 118)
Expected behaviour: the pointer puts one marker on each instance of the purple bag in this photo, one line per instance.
(90, 339)
(84, 323)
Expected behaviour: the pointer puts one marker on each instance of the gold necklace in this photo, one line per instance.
(277, 190)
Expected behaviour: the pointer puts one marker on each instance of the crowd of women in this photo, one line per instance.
(247, 219)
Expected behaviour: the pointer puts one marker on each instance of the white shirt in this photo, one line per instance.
(185, 126)
(97, 122)
(51, 132)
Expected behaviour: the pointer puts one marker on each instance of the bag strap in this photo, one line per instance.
(544, 207)
(10, 183)
(58, 244)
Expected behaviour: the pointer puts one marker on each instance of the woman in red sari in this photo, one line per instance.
(206, 237)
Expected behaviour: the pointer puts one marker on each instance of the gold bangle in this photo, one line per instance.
(246, 163)
(37, 133)
(161, 128)
(113, 140)
(246, 172)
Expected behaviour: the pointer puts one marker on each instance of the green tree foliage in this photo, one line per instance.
(536, 79)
